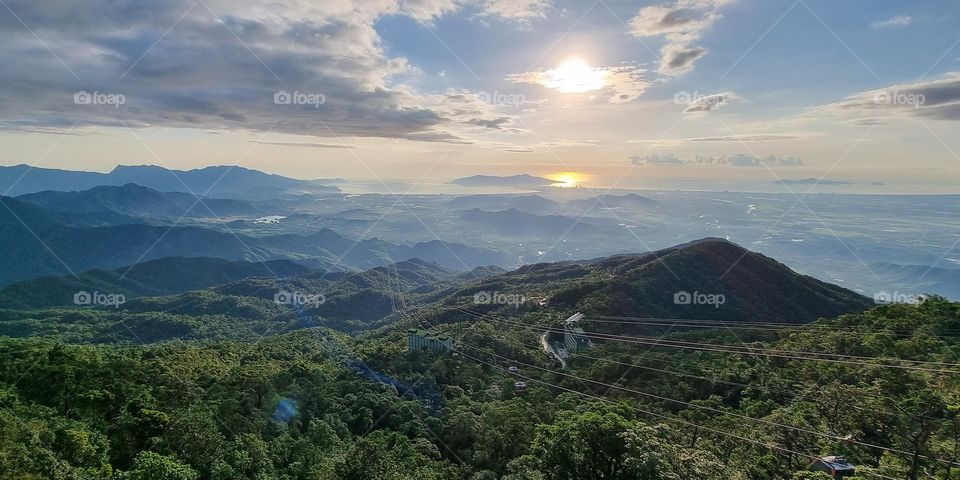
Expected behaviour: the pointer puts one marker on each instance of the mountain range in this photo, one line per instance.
(133, 200)
(41, 242)
(214, 181)
(756, 288)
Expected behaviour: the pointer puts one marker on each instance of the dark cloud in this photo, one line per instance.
(495, 123)
(677, 58)
(217, 64)
(935, 99)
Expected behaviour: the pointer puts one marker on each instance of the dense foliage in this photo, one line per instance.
(316, 404)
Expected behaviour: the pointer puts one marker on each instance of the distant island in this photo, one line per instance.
(523, 180)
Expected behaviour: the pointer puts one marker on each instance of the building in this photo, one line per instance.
(422, 340)
(574, 338)
(836, 467)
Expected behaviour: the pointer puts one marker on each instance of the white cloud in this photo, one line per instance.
(740, 138)
(897, 21)
(741, 160)
(517, 10)
(682, 23)
(709, 103)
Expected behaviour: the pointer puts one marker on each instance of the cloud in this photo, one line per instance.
(464, 109)
(738, 161)
(708, 103)
(305, 144)
(428, 10)
(681, 22)
(516, 10)
(437, 136)
(220, 65)
(743, 138)
(657, 159)
(934, 99)
(495, 123)
(621, 83)
(759, 137)
(896, 21)
(677, 58)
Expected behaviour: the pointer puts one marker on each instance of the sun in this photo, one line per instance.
(575, 76)
(566, 179)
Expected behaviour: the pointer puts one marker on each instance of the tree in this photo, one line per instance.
(153, 466)
(587, 446)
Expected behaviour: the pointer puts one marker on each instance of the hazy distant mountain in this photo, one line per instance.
(510, 181)
(18, 213)
(137, 201)
(521, 224)
(217, 182)
(163, 276)
(630, 200)
(755, 288)
(524, 203)
(39, 242)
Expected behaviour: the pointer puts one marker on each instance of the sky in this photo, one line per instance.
(693, 94)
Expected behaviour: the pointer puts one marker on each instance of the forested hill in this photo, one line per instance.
(753, 287)
(317, 405)
(226, 382)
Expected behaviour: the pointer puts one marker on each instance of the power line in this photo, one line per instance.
(647, 412)
(722, 412)
(737, 325)
(756, 351)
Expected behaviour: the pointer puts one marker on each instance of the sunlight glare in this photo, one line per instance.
(566, 179)
(575, 76)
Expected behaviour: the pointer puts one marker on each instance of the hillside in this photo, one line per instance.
(365, 408)
(755, 288)
(163, 276)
